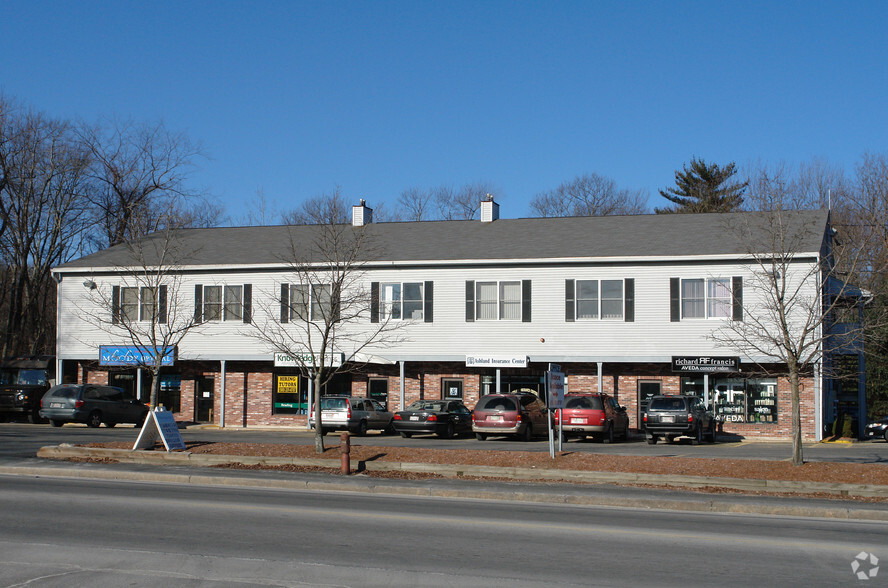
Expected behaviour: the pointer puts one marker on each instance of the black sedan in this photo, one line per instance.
(444, 418)
(877, 429)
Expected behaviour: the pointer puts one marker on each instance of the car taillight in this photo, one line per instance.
(78, 404)
(690, 418)
(645, 417)
(432, 417)
(349, 415)
(397, 417)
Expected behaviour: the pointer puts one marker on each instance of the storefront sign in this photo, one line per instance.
(710, 365)
(307, 359)
(555, 386)
(499, 361)
(133, 355)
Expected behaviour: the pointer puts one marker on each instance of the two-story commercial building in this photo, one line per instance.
(625, 304)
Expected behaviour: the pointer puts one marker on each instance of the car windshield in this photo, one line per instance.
(332, 403)
(497, 403)
(426, 405)
(65, 392)
(667, 404)
(587, 402)
(32, 377)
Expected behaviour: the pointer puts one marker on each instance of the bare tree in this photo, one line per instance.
(791, 304)
(321, 209)
(150, 308)
(325, 306)
(465, 202)
(589, 195)
(42, 216)
(138, 179)
(416, 204)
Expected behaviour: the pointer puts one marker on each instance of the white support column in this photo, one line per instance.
(222, 416)
(497, 381)
(706, 399)
(139, 385)
(401, 385)
(600, 377)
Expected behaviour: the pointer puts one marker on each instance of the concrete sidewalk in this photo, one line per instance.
(549, 486)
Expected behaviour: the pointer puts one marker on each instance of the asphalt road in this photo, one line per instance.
(62, 533)
(22, 440)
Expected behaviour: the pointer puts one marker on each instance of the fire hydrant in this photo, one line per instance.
(345, 449)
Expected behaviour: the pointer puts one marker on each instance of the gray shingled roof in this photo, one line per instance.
(656, 235)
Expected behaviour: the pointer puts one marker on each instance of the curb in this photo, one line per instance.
(543, 496)
(185, 458)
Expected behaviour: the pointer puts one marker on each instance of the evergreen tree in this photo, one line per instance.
(702, 187)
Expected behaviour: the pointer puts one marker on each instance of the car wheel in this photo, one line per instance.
(713, 433)
(698, 438)
(480, 436)
(527, 435)
(670, 438)
(608, 435)
(94, 419)
(110, 424)
(405, 434)
(362, 429)
(886, 435)
(57, 423)
(448, 433)
(652, 440)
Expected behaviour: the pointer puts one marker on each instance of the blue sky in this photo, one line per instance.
(295, 98)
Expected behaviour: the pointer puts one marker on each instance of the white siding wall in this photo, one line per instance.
(652, 336)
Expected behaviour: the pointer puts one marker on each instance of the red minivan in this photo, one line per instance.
(521, 415)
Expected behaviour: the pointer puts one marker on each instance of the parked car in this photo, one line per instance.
(593, 415)
(23, 382)
(877, 430)
(521, 415)
(355, 414)
(91, 404)
(444, 418)
(678, 416)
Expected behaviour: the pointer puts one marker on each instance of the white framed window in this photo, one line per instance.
(298, 302)
(129, 304)
(510, 301)
(599, 299)
(321, 302)
(706, 298)
(223, 303)
(498, 301)
(401, 301)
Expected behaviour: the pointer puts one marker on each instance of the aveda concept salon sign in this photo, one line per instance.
(499, 361)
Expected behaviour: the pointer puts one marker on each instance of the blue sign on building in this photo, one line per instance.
(132, 355)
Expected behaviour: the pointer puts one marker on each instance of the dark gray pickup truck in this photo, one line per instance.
(23, 381)
(678, 416)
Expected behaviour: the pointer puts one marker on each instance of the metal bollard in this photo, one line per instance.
(345, 448)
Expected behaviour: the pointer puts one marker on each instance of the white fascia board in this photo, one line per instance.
(445, 263)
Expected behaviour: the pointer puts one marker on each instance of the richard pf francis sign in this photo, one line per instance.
(705, 365)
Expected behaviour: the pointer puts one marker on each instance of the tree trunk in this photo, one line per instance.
(797, 458)
(319, 429)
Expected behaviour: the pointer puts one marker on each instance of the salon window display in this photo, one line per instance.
(745, 401)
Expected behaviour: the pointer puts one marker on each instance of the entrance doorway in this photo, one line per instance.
(378, 390)
(203, 400)
(645, 391)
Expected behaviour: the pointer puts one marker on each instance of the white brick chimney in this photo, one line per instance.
(489, 210)
(361, 214)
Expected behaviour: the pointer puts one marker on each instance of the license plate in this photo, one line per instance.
(55, 405)
(414, 418)
(328, 415)
(496, 417)
(578, 421)
(667, 419)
